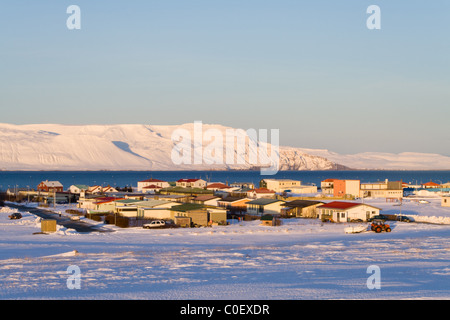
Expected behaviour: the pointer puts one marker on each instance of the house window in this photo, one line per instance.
(342, 214)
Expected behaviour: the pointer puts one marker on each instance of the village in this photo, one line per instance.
(198, 203)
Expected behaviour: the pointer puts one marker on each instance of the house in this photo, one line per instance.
(340, 188)
(384, 189)
(151, 188)
(241, 185)
(445, 201)
(327, 186)
(446, 185)
(301, 208)
(50, 186)
(78, 188)
(155, 209)
(260, 193)
(263, 206)
(191, 183)
(234, 204)
(286, 185)
(98, 204)
(279, 185)
(339, 211)
(219, 187)
(170, 197)
(197, 212)
(151, 185)
(109, 189)
(207, 200)
(100, 189)
(430, 185)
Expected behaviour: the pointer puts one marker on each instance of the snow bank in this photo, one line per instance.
(431, 219)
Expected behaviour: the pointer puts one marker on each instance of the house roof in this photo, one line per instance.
(217, 186)
(52, 183)
(107, 199)
(344, 205)
(152, 186)
(329, 180)
(128, 201)
(187, 207)
(302, 203)
(431, 184)
(261, 190)
(152, 180)
(81, 186)
(152, 203)
(233, 199)
(188, 180)
(264, 202)
(205, 198)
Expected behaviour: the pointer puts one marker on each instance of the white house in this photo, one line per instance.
(340, 211)
(260, 193)
(78, 188)
(100, 189)
(151, 185)
(191, 183)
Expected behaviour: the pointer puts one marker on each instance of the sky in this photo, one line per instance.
(311, 69)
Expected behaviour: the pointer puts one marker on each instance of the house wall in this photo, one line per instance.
(219, 216)
(280, 185)
(352, 187)
(162, 184)
(273, 208)
(304, 189)
(339, 188)
(307, 212)
(110, 206)
(155, 213)
(382, 193)
(362, 212)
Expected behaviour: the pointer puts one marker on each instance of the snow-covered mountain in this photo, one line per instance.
(150, 147)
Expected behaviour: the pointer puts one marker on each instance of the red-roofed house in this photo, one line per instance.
(50, 186)
(430, 184)
(191, 183)
(153, 183)
(219, 187)
(339, 211)
(260, 193)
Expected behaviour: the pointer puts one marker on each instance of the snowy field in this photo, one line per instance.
(302, 259)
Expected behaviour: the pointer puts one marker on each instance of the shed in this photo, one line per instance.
(48, 225)
(270, 220)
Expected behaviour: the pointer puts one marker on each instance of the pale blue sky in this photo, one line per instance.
(309, 68)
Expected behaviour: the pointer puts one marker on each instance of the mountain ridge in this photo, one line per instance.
(142, 147)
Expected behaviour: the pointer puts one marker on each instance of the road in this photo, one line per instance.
(79, 226)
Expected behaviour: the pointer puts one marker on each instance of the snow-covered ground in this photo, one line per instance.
(302, 259)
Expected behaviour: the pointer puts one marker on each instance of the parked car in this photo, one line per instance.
(154, 224)
(378, 217)
(404, 218)
(15, 215)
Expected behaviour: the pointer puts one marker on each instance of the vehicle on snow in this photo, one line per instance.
(379, 225)
(154, 224)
